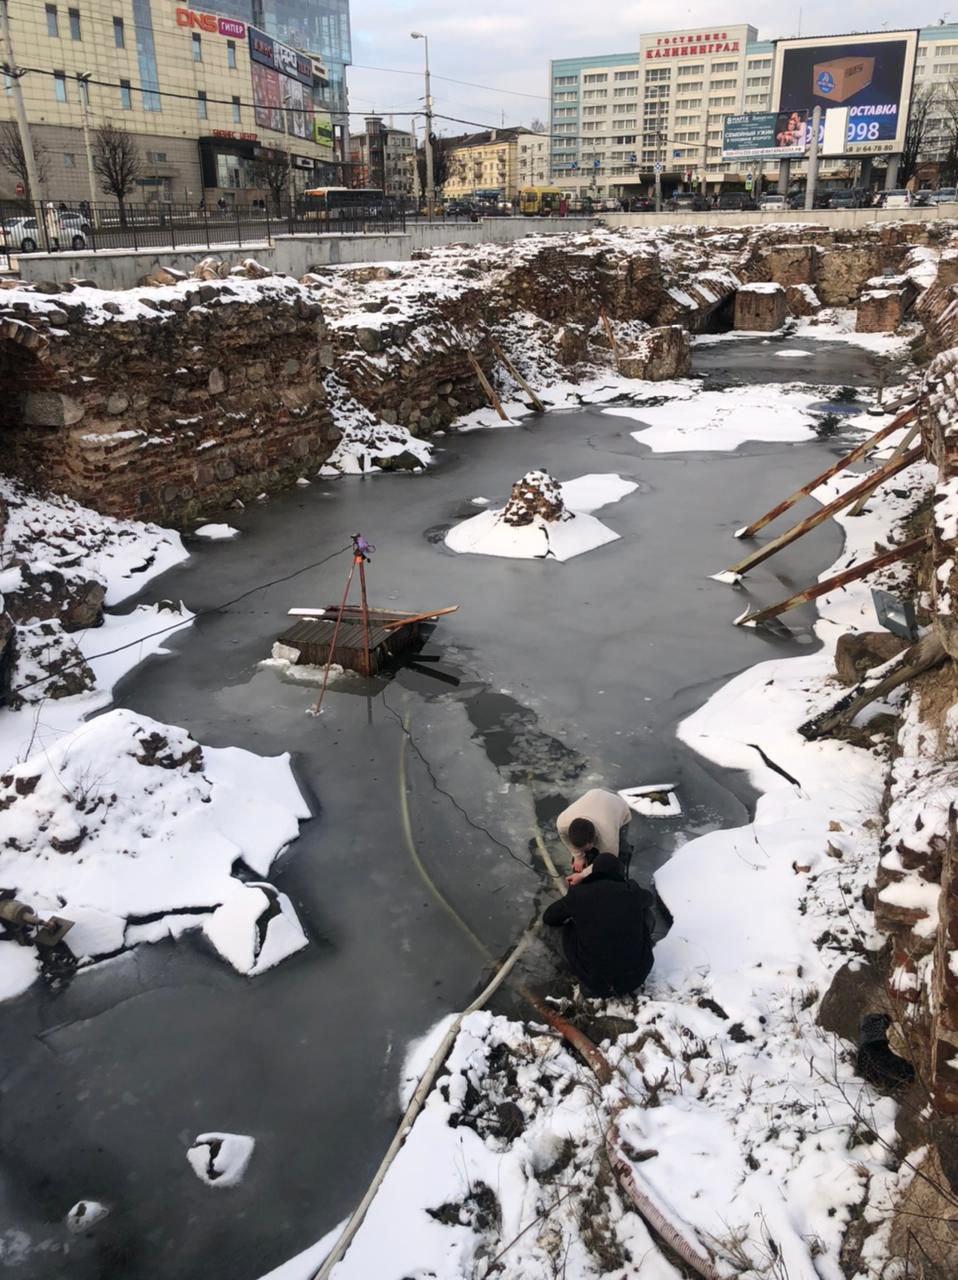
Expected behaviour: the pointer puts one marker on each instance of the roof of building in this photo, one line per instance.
(486, 138)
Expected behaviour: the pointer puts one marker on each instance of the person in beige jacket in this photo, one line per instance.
(592, 825)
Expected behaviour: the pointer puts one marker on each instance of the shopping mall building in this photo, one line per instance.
(206, 94)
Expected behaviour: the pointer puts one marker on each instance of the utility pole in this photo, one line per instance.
(83, 79)
(14, 72)
(430, 184)
(812, 177)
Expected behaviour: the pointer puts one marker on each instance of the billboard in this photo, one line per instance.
(770, 135)
(282, 86)
(871, 75)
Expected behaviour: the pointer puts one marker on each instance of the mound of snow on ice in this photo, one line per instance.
(126, 817)
(217, 532)
(220, 1159)
(574, 533)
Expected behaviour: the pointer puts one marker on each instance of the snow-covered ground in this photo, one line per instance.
(741, 1119)
(121, 824)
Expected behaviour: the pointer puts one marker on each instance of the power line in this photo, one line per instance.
(469, 84)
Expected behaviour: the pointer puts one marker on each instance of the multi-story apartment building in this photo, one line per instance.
(383, 158)
(936, 75)
(205, 96)
(486, 164)
(532, 160)
(614, 117)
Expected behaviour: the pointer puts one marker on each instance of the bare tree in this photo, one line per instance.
(923, 105)
(947, 108)
(537, 126)
(441, 163)
(14, 161)
(116, 162)
(271, 172)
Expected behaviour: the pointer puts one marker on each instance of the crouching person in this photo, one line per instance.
(606, 935)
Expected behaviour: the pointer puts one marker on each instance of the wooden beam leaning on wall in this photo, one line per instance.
(836, 581)
(870, 482)
(903, 419)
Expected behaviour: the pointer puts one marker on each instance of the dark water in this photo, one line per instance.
(569, 675)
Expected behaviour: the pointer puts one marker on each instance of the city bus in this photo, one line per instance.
(539, 200)
(326, 204)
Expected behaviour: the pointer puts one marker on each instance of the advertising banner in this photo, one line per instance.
(267, 99)
(294, 96)
(871, 75)
(764, 135)
(280, 57)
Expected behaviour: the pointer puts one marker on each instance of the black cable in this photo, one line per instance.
(201, 613)
(476, 826)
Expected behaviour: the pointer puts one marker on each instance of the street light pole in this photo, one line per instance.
(83, 78)
(430, 184)
(14, 72)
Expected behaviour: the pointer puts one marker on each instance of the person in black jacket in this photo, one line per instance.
(606, 935)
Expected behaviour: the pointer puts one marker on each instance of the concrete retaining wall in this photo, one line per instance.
(122, 268)
(834, 219)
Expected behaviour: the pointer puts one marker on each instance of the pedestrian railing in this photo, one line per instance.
(58, 227)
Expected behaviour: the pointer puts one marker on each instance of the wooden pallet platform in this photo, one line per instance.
(312, 637)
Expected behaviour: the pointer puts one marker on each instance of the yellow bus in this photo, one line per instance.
(536, 200)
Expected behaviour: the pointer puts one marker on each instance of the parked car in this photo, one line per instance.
(641, 204)
(771, 202)
(796, 199)
(459, 209)
(735, 202)
(944, 195)
(24, 234)
(849, 198)
(898, 198)
(689, 200)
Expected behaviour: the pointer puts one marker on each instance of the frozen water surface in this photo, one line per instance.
(107, 1083)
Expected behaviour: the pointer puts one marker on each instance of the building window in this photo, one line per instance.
(724, 66)
(595, 78)
(60, 85)
(119, 35)
(692, 71)
(657, 73)
(156, 157)
(53, 27)
(69, 160)
(197, 48)
(236, 111)
(201, 104)
(231, 54)
(765, 64)
(634, 75)
(126, 96)
(723, 84)
(146, 55)
(74, 24)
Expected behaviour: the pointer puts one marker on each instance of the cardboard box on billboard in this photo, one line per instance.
(842, 78)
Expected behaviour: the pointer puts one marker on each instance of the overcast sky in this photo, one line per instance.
(507, 44)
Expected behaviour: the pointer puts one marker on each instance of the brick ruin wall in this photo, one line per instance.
(219, 389)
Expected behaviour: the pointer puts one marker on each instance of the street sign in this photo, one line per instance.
(658, 166)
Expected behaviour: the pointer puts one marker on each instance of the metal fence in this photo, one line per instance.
(55, 227)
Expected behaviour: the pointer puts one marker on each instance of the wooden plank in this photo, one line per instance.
(487, 387)
(927, 653)
(897, 452)
(858, 452)
(422, 617)
(834, 582)
(305, 613)
(870, 482)
(607, 325)
(514, 373)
